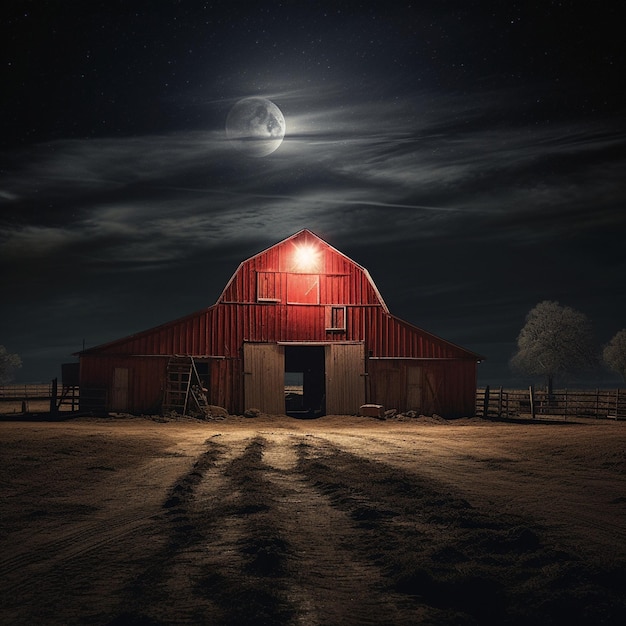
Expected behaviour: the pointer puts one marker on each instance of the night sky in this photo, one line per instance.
(470, 155)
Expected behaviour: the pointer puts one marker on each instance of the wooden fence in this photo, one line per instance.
(560, 404)
(493, 403)
(26, 391)
(59, 396)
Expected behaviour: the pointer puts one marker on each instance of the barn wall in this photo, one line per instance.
(222, 329)
(226, 384)
(146, 377)
(441, 387)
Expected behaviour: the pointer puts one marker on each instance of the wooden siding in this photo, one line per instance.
(146, 377)
(119, 389)
(222, 329)
(341, 281)
(446, 388)
(226, 384)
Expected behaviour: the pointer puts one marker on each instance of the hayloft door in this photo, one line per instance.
(264, 377)
(345, 378)
(119, 390)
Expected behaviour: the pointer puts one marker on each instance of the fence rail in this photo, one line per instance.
(26, 391)
(493, 403)
(563, 403)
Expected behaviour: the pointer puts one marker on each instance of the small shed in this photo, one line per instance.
(300, 329)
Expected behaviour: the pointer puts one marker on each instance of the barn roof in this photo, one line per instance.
(305, 237)
(144, 333)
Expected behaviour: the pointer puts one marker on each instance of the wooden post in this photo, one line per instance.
(53, 396)
(597, 403)
(486, 402)
(500, 401)
(531, 393)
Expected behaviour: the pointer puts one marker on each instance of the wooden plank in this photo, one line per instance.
(345, 378)
(119, 389)
(264, 377)
(432, 400)
(414, 386)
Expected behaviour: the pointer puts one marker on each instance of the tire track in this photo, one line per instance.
(83, 539)
(282, 526)
(330, 582)
(164, 592)
(291, 529)
(203, 575)
(591, 507)
(45, 578)
(467, 562)
(89, 537)
(253, 542)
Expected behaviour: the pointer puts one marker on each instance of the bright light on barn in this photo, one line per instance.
(306, 258)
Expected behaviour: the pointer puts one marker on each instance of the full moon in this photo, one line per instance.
(255, 126)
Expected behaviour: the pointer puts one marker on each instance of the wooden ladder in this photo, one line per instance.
(182, 386)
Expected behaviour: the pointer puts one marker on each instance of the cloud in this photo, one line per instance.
(6, 195)
(34, 241)
(74, 166)
(390, 170)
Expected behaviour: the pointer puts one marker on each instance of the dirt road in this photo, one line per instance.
(340, 520)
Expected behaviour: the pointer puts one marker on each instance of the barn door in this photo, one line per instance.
(264, 377)
(119, 389)
(345, 382)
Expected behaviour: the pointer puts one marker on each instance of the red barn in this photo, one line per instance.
(300, 312)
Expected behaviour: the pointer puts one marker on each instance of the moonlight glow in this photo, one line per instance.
(255, 126)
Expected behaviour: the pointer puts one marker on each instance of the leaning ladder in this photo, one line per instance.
(177, 384)
(183, 383)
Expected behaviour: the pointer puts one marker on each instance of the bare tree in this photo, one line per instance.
(8, 362)
(556, 340)
(614, 353)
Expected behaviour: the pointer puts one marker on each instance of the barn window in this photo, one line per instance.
(303, 289)
(267, 287)
(336, 318)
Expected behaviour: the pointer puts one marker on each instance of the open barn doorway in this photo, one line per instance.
(305, 392)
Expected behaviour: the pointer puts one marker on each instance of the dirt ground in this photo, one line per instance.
(338, 520)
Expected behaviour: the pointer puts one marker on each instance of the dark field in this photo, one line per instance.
(339, 520)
